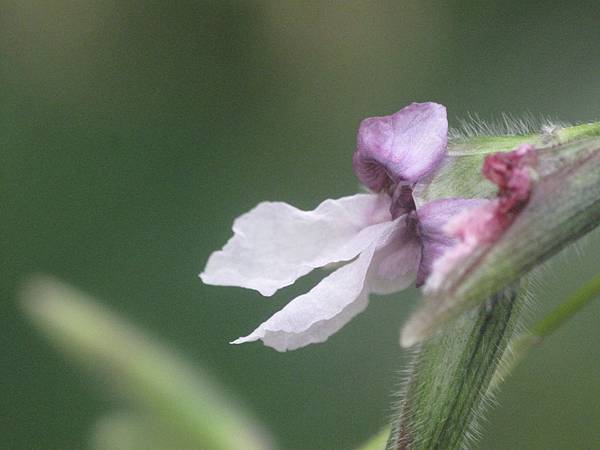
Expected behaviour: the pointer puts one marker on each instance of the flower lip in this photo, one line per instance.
(402, 147)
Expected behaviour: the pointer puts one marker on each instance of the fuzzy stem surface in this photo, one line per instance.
(450, 377)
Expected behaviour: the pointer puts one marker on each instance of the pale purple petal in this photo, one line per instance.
(433, 218)
(396, 263)
(402, 147)
(275, 243)
(474, 229)
(316, 315)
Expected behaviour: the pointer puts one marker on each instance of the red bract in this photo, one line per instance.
(512, 173)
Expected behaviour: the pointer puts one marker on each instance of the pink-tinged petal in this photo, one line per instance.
(275, 243)
(396, 263)
(402, 147)
(472, 230)
(477, 228)
(316, 315)
(435, 238)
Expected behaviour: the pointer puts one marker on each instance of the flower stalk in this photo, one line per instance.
(465, 325)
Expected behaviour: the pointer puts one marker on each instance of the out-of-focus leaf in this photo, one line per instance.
(162, 385)
(378, 441)
(132, 431)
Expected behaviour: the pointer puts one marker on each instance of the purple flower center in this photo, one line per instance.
(395, 152)
(402, 200)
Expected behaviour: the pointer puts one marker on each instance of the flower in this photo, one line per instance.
(384, 242)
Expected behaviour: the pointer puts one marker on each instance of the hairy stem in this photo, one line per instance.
(450, 377)
(463, 327)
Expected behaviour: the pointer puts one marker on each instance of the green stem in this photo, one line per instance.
(457, 368)
(521, 344)
(450, 378)
(565, 311)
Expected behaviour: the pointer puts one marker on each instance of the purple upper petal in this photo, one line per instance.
(402, 147)
(433, 218)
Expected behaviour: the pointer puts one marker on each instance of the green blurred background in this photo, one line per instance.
(132, 133)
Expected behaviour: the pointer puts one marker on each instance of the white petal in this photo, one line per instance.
(275, 244)
(316, 315)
